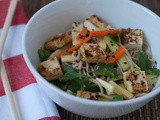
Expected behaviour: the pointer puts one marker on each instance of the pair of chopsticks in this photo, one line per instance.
(4, 77)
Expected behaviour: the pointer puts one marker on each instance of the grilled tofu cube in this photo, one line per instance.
(76, 29)
(87, 95)
(135, 81)
(92, 53)
(58, 51)
(133, 38)
(58, 41)
(50, 69)
(102, 43)
(95, 23)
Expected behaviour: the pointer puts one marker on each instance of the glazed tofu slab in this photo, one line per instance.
(135, 81)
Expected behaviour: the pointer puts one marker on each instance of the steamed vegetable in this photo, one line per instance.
(113, 47)
(116, 55)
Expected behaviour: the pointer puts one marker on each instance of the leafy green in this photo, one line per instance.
(93, 88)
(118, 98)
(144, 64)
(106, 70)
(117, 38)
(71, 74)
(153, 71)
(143, 60)
(76, 84)
(43, 54)
(58, 83)
(71, 80)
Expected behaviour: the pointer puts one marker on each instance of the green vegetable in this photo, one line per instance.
(153, 71)
(71, 74)
(106, 70)
(58, 83)
(93, 88)
(118, 98)
(121, 83)
(119, 39)
(43, 54)
(70, 92)
(151, 80)
(71, 80)
(76, 84)
(144, 64)
(143, 60)
(123, 62)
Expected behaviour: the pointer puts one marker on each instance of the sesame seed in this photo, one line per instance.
(155, 62)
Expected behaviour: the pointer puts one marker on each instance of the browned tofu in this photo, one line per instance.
(135, 81)
(133, 38)
(87, 95)
(50, 69)
(95, 23)
(92, 53)
(58, 41)
(76, 29)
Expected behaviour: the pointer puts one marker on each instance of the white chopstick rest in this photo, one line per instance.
(5, 81)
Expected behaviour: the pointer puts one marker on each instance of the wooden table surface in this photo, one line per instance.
(151, 111)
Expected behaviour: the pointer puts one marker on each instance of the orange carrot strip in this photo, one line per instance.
(74, 47)
(116, 55)
(82, 34)
(79, 44)
(102, 33)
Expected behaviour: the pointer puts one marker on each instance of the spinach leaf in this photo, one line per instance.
(143, 60)
(43, 54)
(106, 70)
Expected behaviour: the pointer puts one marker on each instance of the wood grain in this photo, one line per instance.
(150, 111)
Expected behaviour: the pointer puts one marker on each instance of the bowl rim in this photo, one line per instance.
(72, 97)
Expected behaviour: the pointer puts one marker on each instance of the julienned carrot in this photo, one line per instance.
(84, 31)
(117, 54)
(74, 47)
(102, 33)
(82, 34)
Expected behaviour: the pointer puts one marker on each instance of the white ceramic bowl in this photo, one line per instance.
(58, 17)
